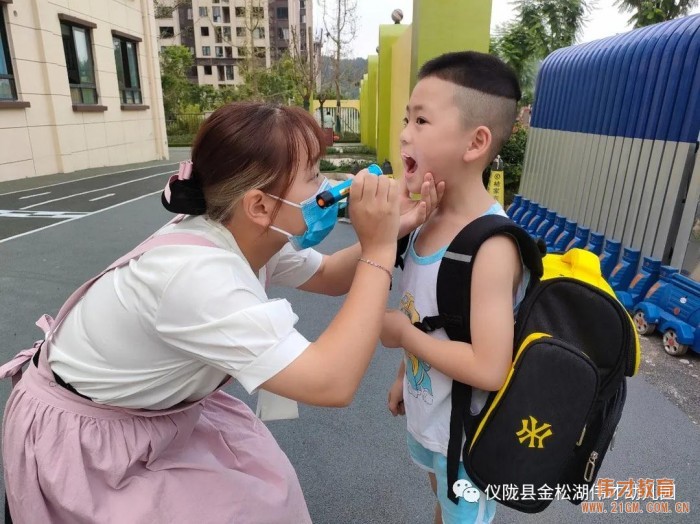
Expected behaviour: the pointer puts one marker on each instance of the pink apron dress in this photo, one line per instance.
(70, 460)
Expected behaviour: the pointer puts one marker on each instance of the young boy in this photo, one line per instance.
(460, 114)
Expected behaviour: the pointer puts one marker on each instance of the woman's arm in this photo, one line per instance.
(329, 371)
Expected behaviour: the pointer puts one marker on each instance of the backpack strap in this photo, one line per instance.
(454, 306)
(401, 248)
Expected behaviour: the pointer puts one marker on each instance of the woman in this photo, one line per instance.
(119, 417)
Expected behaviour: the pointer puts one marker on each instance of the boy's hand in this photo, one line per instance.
(395, 401)
(395, 323)
(416, 212)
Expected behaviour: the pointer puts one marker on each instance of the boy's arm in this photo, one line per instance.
(485, 362)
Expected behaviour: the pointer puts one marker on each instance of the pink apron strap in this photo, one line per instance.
(48, 325)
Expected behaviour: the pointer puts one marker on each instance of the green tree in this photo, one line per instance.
(540, 27)
(175, 62)
(648, 12)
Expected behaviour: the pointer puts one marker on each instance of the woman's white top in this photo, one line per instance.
(173, 324)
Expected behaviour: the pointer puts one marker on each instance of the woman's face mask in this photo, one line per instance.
(319, 221)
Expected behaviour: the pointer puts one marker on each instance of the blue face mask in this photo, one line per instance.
(319, 221)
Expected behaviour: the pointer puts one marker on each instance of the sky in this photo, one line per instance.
(604, 20)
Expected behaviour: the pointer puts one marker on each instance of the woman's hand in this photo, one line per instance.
(374, 212)
(416, 212)
(395, 323)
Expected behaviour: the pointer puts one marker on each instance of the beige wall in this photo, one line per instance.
(51, 135)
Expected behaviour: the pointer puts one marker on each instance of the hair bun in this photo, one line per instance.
(186, 197)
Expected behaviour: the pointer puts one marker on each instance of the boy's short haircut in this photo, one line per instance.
(490, 93)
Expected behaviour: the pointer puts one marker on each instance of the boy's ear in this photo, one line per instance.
(258, 207)
(478, 145)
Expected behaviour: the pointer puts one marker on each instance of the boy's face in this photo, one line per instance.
(435, 138)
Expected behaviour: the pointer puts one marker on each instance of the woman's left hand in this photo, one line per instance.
(395, 323)
(416, 212)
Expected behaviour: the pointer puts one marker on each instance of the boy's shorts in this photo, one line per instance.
(469, 509)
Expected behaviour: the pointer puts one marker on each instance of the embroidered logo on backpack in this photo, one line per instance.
(533, 432)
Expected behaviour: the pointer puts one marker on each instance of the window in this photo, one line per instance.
(240, 12)
(242, 52)
(126, 57)
(240, 31)
(207, 70)
(167, 31)
(283, 13)
(206, 50)
(229, 51)
(259, 32)
(218, 35)
(283, 33)
(220, 71)
(216, 14)
(302, 4)
(259, 12)
(189, 13)
(227, 15)
(229, 72)
(260, 52)
(77, 48)
(205, 31)
(219, 51)
(7, 80)
(227, 34)
(203, 11)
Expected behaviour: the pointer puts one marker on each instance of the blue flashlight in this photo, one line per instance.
(342, 190)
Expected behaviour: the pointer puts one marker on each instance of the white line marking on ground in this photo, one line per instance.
(86, 178)
(101, 197)
(11, 213)
(78, 218)
(32, 196)
(95, 190)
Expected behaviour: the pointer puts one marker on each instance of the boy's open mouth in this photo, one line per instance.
(409, 163)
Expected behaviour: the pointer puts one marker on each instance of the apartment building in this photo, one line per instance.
(291, 23)
(79, 86)
(221, 33)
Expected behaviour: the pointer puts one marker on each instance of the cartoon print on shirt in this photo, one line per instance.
(419, 383)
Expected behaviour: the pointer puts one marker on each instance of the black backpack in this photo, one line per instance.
(549, 427)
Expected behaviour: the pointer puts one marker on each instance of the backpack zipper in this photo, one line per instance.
(590, 466)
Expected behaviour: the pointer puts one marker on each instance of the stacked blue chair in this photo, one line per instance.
(537, 220)
(595, 243)
(545, 224)
(624, 271)
(566, 236)
(609, 256)
(518, 213)
(555, 230)
(580, 238)
(513, 207)
(646, 277)
(529, 214)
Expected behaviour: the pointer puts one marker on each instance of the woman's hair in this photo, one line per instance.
(250, 145)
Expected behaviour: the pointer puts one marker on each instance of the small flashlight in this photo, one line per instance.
(342, 190)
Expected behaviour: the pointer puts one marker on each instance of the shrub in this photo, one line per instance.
(513, 155)
(327, 166)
